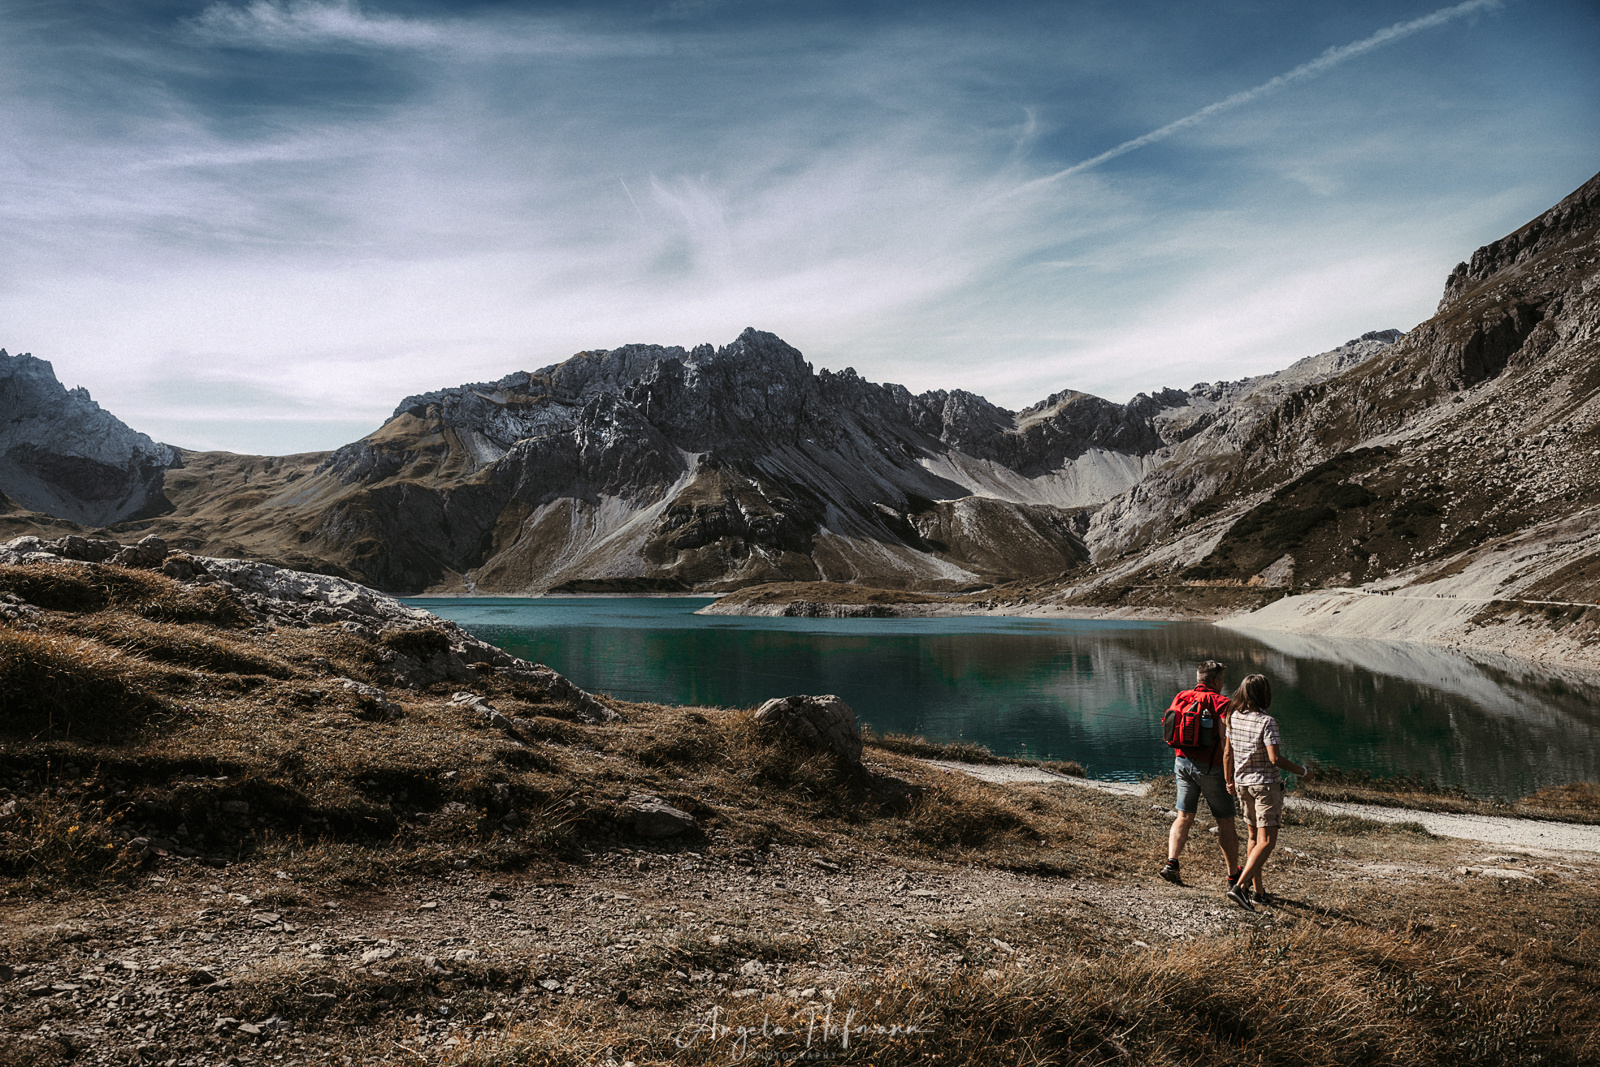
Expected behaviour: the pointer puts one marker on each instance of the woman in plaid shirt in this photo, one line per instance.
(1252, 762)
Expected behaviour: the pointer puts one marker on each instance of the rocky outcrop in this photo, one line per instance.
(415, 648)
(61, 454)
(820, 722)
(1571, 221)
(1202, 439)
(716, 467)
(1470, 440)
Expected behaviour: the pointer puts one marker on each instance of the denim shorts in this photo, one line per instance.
(1195, 781)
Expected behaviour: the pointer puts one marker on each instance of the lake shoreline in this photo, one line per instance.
(1048, 685)
(1522, 630)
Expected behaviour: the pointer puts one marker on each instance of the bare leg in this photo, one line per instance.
(1263, 840)
(1180, 834)
(1228, 838)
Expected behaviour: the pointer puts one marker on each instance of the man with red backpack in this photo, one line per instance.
(1195, 726)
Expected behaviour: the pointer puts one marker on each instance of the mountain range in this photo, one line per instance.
(649, 468)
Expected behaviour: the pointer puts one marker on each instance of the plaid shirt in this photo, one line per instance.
(1250, 732)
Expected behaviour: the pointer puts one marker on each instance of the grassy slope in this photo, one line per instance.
(157, 752)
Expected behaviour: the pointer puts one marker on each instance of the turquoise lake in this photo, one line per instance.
(1091, 691)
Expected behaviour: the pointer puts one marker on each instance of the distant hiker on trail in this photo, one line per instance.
(1193, 726)
(1254, 759)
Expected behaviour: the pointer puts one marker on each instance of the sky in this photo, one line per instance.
(256, 225)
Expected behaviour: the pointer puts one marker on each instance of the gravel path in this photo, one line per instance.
(1491, 829)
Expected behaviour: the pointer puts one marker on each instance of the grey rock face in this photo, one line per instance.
(1202, 439)
(1575, 214)
(823, 722)
(729, 464)
(654, 818)
(62, 455)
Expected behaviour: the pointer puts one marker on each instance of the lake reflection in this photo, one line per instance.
(1090, 691)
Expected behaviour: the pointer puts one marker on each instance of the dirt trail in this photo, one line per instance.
(1490, 829)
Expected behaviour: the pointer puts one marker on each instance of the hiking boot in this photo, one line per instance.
(1169, 871)
(1241, 898)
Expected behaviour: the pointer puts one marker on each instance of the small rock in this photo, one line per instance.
(376, 955)
(654, 818)
(355, 629)
(432, 905)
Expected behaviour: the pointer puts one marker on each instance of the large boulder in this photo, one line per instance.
(817, 721)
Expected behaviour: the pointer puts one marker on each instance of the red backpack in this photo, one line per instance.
(1190, 722)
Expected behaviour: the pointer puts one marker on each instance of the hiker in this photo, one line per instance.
(1254, 762)
(1193, 726)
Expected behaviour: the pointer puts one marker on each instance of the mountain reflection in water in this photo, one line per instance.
(1091, 691)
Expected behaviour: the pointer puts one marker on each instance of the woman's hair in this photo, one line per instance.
(1254, 694)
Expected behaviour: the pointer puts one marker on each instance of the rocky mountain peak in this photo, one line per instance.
(62, 454)
(1574, 218)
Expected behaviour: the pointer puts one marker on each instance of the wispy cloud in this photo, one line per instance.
(317, 208)
(1321, 65)
(324, 24)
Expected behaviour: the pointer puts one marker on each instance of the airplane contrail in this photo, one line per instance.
(1326, 61)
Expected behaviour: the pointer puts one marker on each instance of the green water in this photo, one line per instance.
(1089, 691)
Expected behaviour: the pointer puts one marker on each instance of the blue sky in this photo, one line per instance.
(256, 225)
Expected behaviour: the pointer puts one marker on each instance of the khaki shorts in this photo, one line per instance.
(1263, 805)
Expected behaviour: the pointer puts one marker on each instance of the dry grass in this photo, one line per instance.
(1310, 995)
(923, 748)
(1575, 801)
(221, 746)
(960, 752)
(70, 836)
(63, 587)
(55, 687)
(200, 647)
